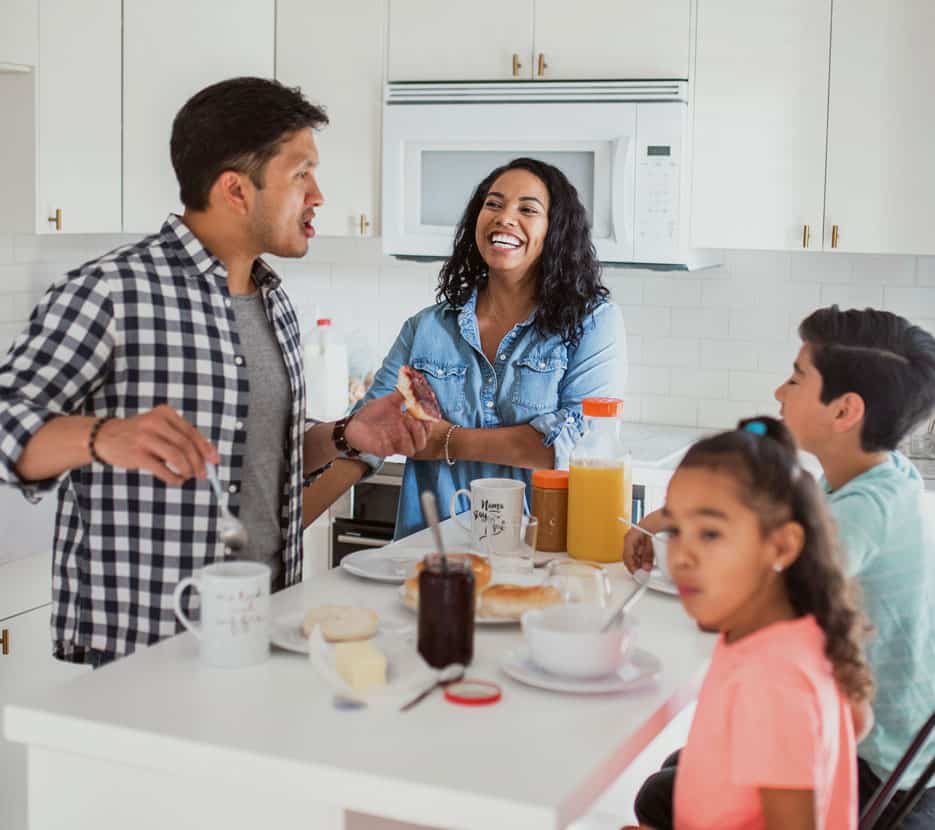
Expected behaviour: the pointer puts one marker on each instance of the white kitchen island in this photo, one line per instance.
(158, 740)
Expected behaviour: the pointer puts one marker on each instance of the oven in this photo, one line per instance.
(366, 516)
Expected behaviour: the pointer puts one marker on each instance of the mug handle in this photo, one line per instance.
(454, 503)
(188, 581)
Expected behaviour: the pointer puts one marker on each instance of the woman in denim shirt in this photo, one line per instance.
(521, 333)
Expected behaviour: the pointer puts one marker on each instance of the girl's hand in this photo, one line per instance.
(637, 551)
(434, 449)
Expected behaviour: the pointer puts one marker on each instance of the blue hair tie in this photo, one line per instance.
(756, 427)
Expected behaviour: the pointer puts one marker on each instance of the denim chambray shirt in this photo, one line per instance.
(535, 380)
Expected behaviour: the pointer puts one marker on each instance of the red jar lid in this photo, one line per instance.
(473, 692)
(550, 479)
(601, 407)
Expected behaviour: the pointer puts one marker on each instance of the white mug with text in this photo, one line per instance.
(235, 617)
(495, 515)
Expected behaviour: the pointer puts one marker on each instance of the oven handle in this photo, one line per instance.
(382, 478)
(365, 541)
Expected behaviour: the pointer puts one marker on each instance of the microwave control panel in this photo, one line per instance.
(658, 181)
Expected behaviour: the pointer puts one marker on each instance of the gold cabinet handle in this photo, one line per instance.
(834, 236)
(57, 219)
(805, 236)
(5, 642)
(542, 65)
(516, 65)
(364, 224)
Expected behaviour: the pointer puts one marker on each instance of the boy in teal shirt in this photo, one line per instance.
(862, 380)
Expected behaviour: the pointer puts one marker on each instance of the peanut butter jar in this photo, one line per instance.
(550, 507)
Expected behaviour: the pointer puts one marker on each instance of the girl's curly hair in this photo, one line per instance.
(569, 286)
(773, 484)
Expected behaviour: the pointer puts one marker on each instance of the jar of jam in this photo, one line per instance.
(446, 610)
(550, 507)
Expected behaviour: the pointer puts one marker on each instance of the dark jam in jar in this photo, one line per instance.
(446, 611)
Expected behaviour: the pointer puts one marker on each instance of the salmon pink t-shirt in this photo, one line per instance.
(769, 716)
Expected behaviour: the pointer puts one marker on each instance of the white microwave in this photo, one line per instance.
(621, 143)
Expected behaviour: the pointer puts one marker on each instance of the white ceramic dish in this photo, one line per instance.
(567, 640)
(478, 620)
(639, 667)
(393, 564)
(658, 581)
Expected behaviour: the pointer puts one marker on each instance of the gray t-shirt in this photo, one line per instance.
(265, 462)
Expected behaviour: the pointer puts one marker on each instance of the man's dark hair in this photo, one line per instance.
(883, 358)
(238, 124)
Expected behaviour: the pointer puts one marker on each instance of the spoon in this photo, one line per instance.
(628, 603)
(233, 533)
(449, 674)
(642, 530)
(430, 510)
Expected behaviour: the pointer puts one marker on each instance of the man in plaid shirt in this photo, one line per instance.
(138, 368)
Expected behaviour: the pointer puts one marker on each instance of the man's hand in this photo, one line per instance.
(381, 428)
(435, 445)
(160, 441)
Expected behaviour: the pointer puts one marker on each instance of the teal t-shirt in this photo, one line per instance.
(887, 532)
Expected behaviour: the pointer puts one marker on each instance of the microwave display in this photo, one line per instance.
(658, 150)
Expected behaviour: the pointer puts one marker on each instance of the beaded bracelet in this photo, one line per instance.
(448, 459)
(93, 437)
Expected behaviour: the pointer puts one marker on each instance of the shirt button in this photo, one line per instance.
(232, 488)
(541, 364)
(227, 302)
(502, 357)
(489, 404)
(240, 425)
(238, 360)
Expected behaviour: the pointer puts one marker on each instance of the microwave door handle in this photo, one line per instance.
(618, 218)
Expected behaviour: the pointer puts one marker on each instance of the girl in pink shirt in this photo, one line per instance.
(752, 553)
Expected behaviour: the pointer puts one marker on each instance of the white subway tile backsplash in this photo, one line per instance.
(925, 270)
(6, 247)
(728, 354)
(910, 302)
(16, 278)
(646, 380)
(752, 386)
(776, 359)
(853, 295)
(700, 383)
(633, 408)
(634, 350)
(17, 306)
(647, 319)
(670, 410)
(700, 322)
(670, 351)
(758, 266)
(720, 414)
(671, 291)
(879, 268)
(820, 267)
(626, 287)
(764, 323)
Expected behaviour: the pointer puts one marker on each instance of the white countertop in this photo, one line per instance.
(535, 760)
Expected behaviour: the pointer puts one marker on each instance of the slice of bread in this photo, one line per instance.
(341, 623)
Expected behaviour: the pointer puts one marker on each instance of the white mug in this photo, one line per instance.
(235, 624)
(495, 503)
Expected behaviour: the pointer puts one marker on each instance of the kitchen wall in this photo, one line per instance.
(705, 347)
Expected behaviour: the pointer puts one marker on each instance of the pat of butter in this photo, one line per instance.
(361, 664)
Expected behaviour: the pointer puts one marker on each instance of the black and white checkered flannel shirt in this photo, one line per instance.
(144, 325)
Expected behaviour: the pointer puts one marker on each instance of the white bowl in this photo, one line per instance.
(661, 555)
(567, 640)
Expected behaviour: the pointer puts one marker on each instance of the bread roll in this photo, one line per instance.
(509, 602)
(341, 623)
(479, 565)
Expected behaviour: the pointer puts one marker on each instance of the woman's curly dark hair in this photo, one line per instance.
(569, 286)
(772, 483)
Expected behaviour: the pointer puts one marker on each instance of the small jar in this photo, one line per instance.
(550, 507)
(446, 610)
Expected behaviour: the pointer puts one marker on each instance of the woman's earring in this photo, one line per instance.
(777, 567)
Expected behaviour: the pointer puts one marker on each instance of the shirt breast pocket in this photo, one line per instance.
(447, 382)
(536, 381)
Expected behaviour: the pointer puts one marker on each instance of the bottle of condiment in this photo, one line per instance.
(600, 485)
(550, 507)
(326, 375)
(446, 611)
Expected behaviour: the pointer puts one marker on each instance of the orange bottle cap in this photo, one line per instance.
(601, 407)
(550, 479)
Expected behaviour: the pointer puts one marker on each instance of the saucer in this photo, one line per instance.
(639, 667)
(658, 581)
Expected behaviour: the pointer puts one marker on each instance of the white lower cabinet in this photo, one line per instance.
(26, 666)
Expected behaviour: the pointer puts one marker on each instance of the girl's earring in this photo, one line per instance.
(777, 567)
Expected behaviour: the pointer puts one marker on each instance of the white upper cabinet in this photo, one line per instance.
(334, 52)
(172, 49)
(881, 169)
(760, 107)
(485, 40)
(538, 39)
(78, 117)
(18, 34)
(600, 39)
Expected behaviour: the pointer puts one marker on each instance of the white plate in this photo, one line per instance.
(286, 632)
(391, 564)
(658, 581)
(478, 620)
(639, 667)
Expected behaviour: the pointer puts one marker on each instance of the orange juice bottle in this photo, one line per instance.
(600, 485)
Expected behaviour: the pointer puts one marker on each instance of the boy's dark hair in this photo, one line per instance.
(569, 286)
(771, 482)
(238, 124)
(883, 358)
